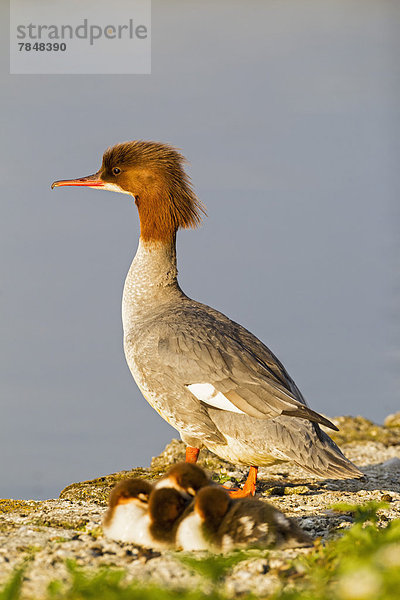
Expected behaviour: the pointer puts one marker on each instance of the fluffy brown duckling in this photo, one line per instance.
(126, 519)
(219, 523)
(166, 506)
(140, 514)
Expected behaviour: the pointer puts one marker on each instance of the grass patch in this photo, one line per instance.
(361, 513)
(108, 584)
(12, 590)
(363, 564)
(216, 567)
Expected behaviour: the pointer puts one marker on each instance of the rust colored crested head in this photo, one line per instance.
(153, 173)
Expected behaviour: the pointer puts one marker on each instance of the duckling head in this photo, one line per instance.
(186, 478)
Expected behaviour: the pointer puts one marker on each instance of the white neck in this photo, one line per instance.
(151, 280)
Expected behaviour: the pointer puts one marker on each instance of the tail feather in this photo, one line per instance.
(313, 450)
(327, 460)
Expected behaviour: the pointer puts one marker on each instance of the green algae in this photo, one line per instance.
(97, 490)
(359, 429)
(21, 506)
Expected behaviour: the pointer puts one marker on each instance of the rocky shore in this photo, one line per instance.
(49, 533)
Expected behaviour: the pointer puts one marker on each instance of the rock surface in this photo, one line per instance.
(392, 420)
(356, 429)
(52, 531)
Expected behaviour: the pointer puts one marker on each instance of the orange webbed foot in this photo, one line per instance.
(241, 493)
(249, 488)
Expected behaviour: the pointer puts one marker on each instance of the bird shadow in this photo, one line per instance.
(377, 477)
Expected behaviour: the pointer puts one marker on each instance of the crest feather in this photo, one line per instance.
(177, 205)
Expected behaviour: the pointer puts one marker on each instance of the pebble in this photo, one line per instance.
(386, 498)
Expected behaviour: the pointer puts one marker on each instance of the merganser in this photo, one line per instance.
(221, 524)
(187, 478)
(206, 375)
(126, 519)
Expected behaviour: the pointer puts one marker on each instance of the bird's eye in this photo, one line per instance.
(116, 171)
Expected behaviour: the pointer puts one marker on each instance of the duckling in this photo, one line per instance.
(126, 519)
(140, 514)
(166, 506)
(219, 523)
(186, 478)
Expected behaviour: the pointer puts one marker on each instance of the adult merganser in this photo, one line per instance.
(210, 378)
(187, 478)
(221, 524)
(126, 518)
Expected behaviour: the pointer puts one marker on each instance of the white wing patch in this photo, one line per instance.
(207, 393)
